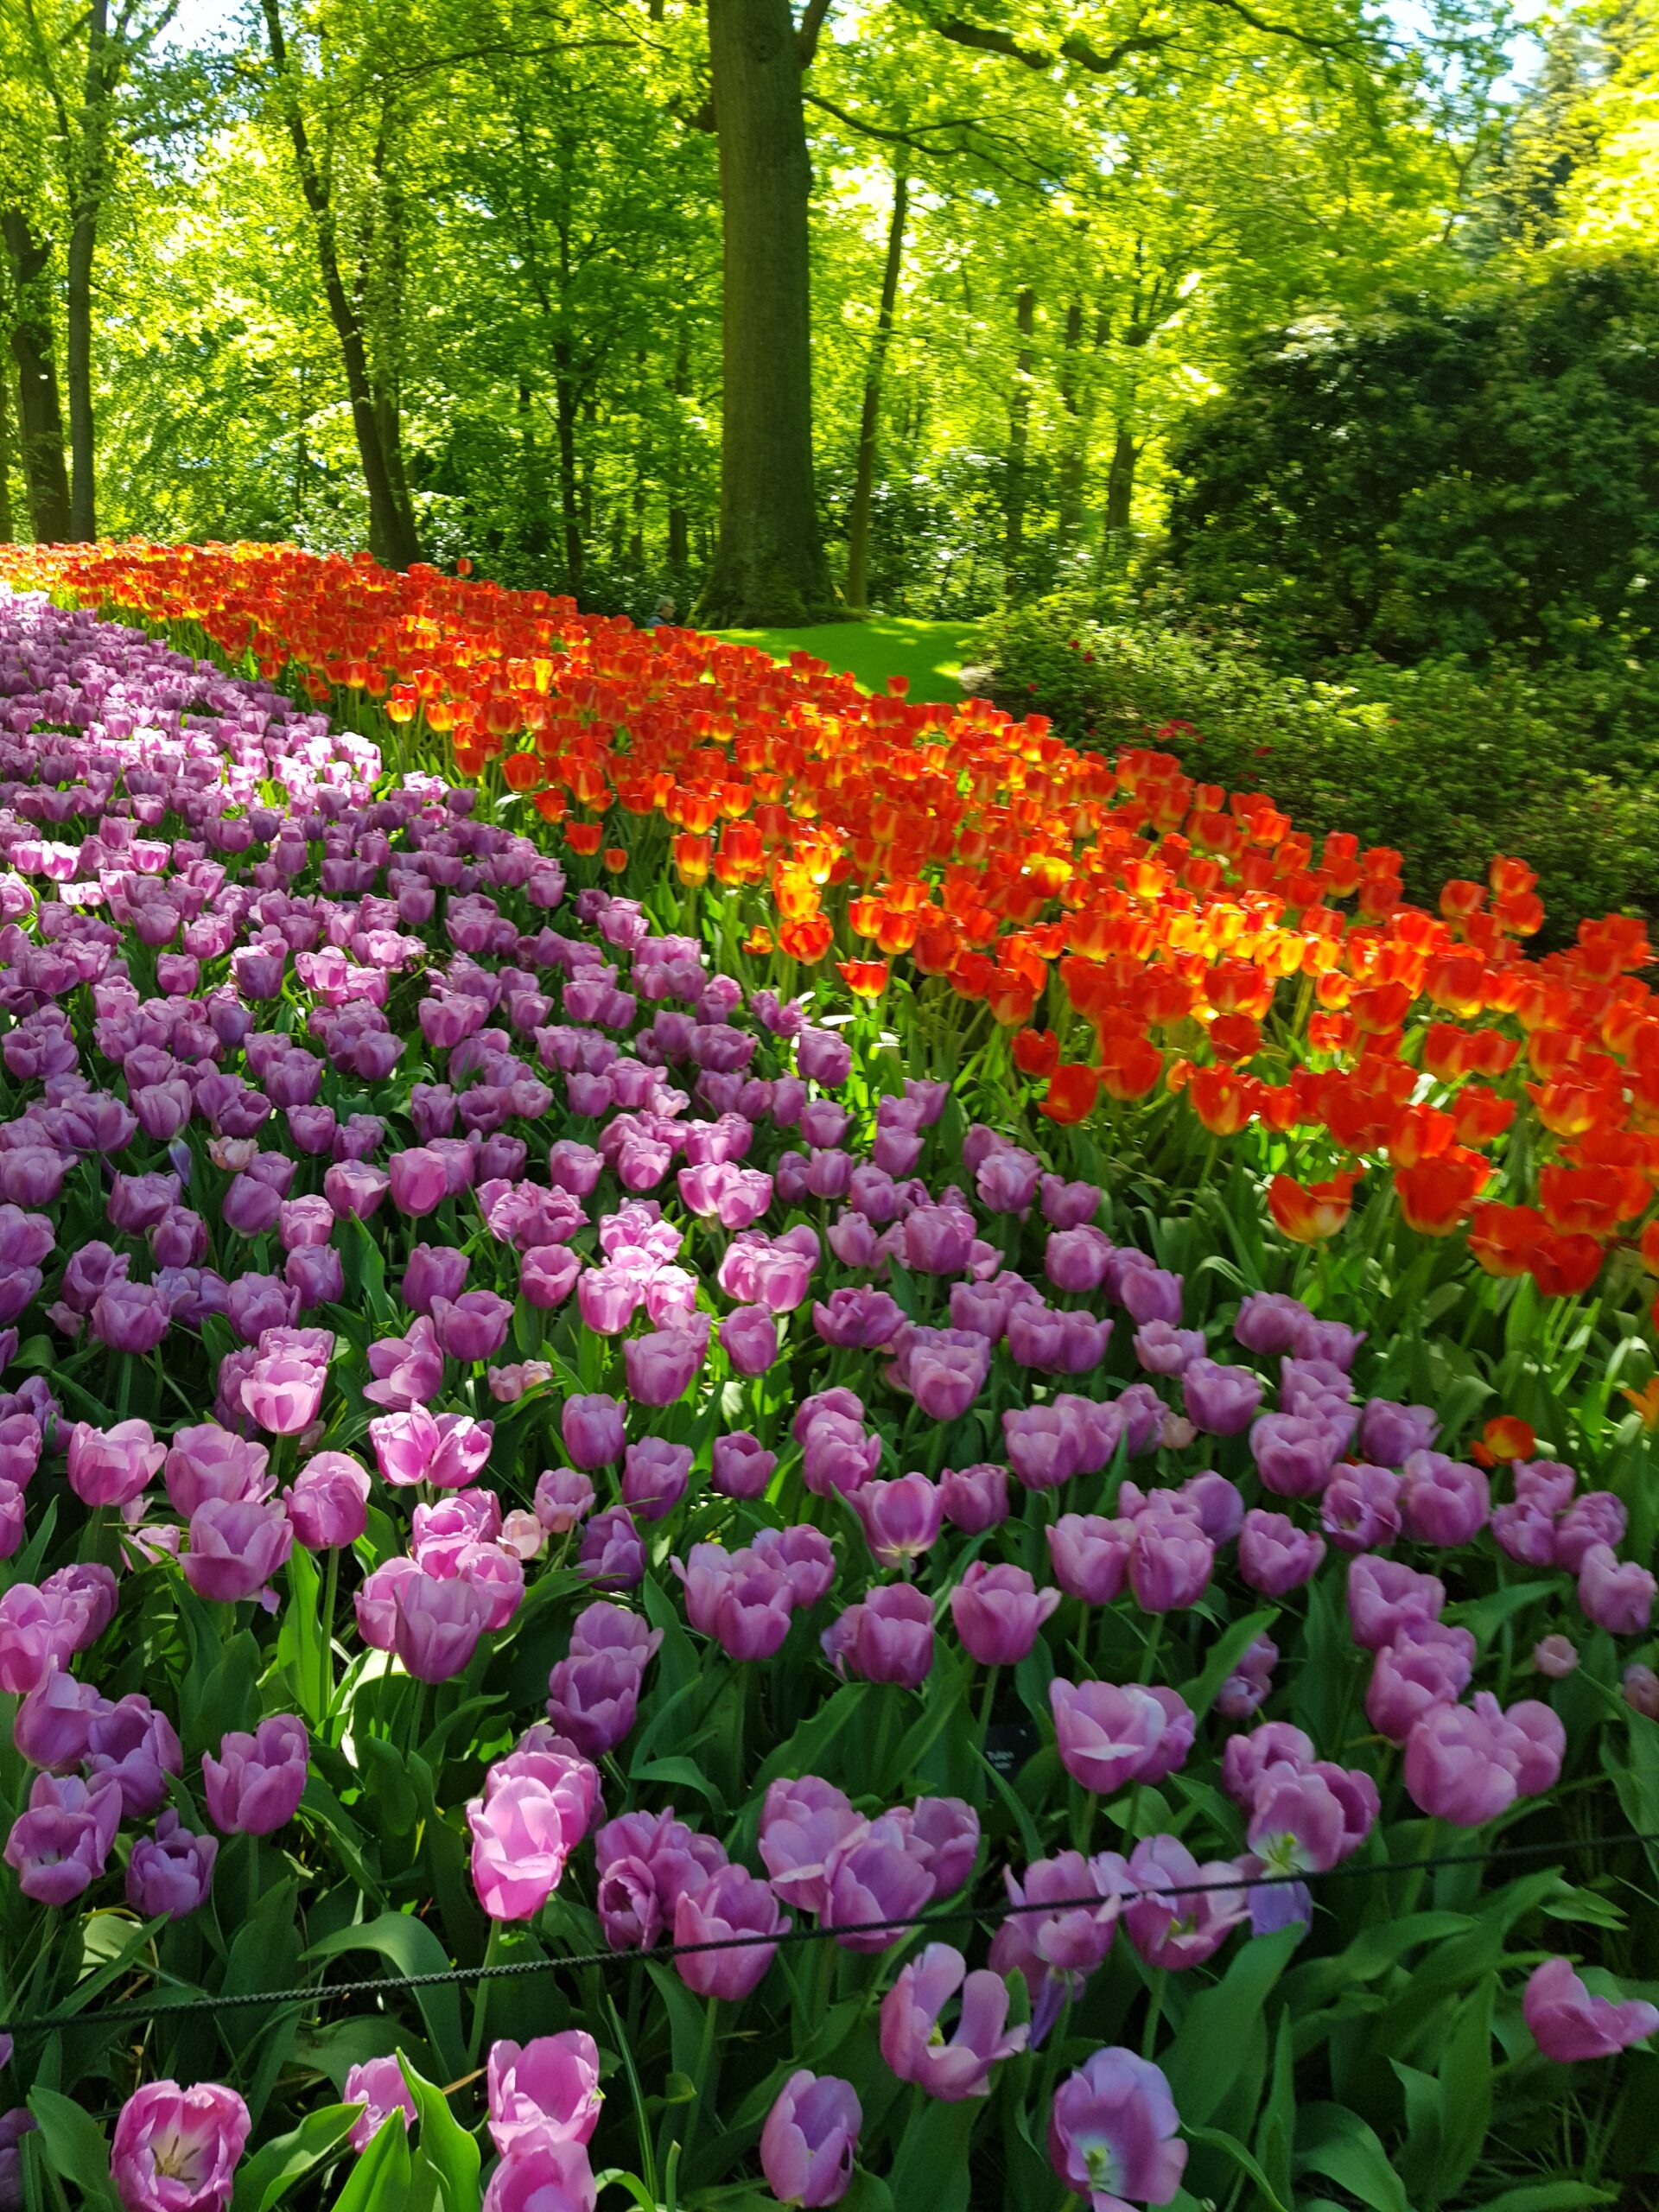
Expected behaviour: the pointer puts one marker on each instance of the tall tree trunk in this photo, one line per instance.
(533, 525)
(40, 414)
(769, 564)
(393, 538)
(565, 417)
(858, 522)
(8, 527)
(1020, 437)
(77, 273)
(1069, 489)
(1119, 482)
(679, 527)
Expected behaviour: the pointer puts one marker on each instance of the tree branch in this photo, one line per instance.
(985, 40)
(806, 35)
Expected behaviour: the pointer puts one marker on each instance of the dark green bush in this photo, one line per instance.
(1439, 479)
(1448, 764)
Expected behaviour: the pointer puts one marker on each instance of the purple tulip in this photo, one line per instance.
(1170, 1563)
(1275, 1555)
(327, 1505)
(472, 1327)
(901, 1518)
(886, 1638)
(563, 1500)
(874, 1884)
(804, 1555)
(59, 1846)
(1616, 1595)
(998, 1612)
(594, 1431)
(593, 1698)
(1598, 1517)
(418, 1180)
(1389, 1434)
(660, 1366)
(535, 1810)
(748, 1336)
(1268, 1321)
(740, 1467)
(1294, 1455)
(734, 1903)
(433, 1271)
(1056, 1951)
(546, 2090)
(1222, 1400)
(1468, 1763)
(811, 2139)
(1090, 1556)
(438, 1624)
(1569, 2023)
(1385, 1598)
(912, 2041)
(1113, 2133)
(1181, 1912)
(974, 1498)
(803, 1824)
(50, 1730)
(1442, 1503)
(1245, 1690)
(254, 1786)
(282, 1390)
(130, 1317)
(1431, 1665)
(738, 1597)
(857, 1319)
(1109, 1735)
(836, 1455)
(236, 1546)
(171, 1872)
(1359, 1509)
(136, 1744)
(612, 1554)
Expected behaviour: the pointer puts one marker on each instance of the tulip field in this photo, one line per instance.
(758, 1446)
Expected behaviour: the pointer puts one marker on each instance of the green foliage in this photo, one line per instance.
(1446, 763)
(1440, 479)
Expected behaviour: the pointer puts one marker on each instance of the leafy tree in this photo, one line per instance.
(1440, 478)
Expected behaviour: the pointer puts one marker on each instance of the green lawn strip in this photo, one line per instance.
(929, 654)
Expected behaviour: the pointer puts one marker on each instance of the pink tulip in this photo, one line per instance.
(381, 2088)
(111, 1466)
(176, 2150)
(912, 2041)
(547, 2090)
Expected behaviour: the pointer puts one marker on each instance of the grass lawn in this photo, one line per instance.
(929, 654)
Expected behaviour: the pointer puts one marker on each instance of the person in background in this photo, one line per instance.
(663, 619)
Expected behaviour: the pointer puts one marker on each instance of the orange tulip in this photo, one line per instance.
(865, 979)
(1565, 1266)
(1223, 1102)
(1072, 1091)
(1581, 1201)
(1505, 1437)
(1437, 1196)
(584, 838)
(1036, 1052)
(1309, 1213)
(808, 939)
